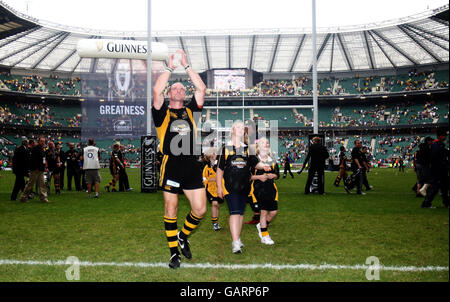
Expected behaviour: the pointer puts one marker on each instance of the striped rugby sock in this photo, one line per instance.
(190, 224)
(264, 232)
(170, 225)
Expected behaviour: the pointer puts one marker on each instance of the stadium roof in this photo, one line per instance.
(29, 43)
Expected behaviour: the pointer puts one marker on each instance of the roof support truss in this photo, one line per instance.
(297, 51)
(332, 53)
(427, 32)
(322, 47)
(274, 54)
(76, 65)
(21, 35)
(387, 41)
(382, 50)
(62, 38)
(47, 42)
(94, 61)
(14, 31)
(434, 18)
(345, 51)
(31, 45)
(252, 52)
(420, 32)
(369, 50)
(429, 51)
(63, 60)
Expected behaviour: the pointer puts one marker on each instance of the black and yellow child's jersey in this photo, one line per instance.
(209, 178)
(237, 165)
(176, 124)
(266, 190)
(342, 159)
(113, 164)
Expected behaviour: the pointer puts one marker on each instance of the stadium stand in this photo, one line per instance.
(351, 85)
(24, 113)
(40, 85)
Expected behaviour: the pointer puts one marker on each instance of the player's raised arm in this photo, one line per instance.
(200, 87)
(161, 83)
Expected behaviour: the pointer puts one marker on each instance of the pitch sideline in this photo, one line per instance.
(231, 266)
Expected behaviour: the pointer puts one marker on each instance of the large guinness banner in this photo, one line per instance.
(114, 103)
(115, 100)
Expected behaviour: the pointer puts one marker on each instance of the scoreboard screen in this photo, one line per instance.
(229, 79)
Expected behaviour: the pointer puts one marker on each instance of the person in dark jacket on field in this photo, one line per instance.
(20, 168)
(422, 159)
(316, 156)
(124, 184)
(73, 168)
(356, 179)
(61, 164)
(287, 166)
(38, 168)
(439, 171)
(366, 168)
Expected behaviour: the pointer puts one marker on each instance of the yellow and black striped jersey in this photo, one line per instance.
(267, 189)
(209, 179)
(236, 164)
(176, 124)
(114, 158)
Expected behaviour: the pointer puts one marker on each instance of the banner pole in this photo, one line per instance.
(314, 71)
(149, 143)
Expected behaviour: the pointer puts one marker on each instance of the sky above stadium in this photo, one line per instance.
(218, 14)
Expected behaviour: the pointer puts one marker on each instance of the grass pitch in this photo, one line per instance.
(127, 227)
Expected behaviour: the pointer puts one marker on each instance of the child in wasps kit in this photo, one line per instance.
(209, 179)
(343, 174)
(114, 167)
(181, 172)
(250, 130)
(234, 173)
(264, 191)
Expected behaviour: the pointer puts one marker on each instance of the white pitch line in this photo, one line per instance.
(233, 266)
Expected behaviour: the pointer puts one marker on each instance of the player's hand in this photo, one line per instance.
(183, 61)
(171, 64)
(263, 177)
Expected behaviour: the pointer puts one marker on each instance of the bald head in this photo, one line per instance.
(177, 92)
